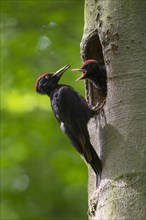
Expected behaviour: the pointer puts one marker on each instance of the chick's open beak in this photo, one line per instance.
(83, 71)
(61, 71)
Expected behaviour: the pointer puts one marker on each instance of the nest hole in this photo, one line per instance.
(92, 49)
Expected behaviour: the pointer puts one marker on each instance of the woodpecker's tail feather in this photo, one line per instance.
(96, 166)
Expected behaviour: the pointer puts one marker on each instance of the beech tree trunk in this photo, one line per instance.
(115, 35)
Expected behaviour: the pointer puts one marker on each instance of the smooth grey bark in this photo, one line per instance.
(115, 34)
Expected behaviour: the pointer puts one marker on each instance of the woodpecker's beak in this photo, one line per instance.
(61, 71)
(83, 71)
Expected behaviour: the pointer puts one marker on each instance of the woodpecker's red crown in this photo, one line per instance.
(88, 61)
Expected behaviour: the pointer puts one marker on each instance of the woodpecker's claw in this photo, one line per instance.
(98, 108)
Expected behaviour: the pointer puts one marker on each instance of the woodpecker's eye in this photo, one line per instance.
(46, 76)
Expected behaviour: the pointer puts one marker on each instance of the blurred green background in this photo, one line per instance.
(42, 176)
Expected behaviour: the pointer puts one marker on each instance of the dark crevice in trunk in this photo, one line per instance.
(91, 49)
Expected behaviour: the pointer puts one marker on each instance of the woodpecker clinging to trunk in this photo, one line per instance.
(72, 112)
(95, 73)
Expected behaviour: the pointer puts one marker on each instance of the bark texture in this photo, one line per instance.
(115, 34)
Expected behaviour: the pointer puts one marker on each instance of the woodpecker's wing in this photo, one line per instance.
(73, 114)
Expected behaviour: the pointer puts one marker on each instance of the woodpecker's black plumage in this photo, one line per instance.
(97, 74)
(72, 113)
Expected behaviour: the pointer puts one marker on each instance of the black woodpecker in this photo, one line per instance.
(97, 74)
(72, 112)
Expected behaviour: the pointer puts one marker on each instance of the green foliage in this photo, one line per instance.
(43, 177)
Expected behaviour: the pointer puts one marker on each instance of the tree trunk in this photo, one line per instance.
(114, 35)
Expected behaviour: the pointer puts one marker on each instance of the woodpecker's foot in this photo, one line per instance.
(98, 109)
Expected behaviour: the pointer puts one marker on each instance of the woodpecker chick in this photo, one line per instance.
(95, 73)
(73, 114)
